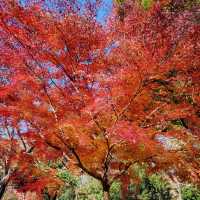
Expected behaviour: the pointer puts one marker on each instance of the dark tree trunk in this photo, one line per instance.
(2, 190)
(3, 185)
(106, 194)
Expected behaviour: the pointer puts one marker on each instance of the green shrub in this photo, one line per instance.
(154, 188)
(115, 191)
(190, 192)
(68, 178)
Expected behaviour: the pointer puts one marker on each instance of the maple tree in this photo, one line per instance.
(19, 165)
(103, 98)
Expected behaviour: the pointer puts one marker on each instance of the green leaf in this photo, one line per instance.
(146, 4)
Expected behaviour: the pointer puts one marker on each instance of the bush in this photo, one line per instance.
(154, 188)
(190, 192)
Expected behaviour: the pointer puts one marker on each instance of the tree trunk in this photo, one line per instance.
(2, 190)
(3, 185)
(106, 195)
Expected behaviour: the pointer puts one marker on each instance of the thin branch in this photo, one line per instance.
(22, 140)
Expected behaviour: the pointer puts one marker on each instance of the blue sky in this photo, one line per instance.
(102, 13)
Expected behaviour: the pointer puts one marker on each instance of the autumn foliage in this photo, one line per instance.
(102, 97)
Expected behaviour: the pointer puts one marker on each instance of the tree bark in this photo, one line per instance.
(3, 185)
(2, 190)
(106, 195)
(106, 189)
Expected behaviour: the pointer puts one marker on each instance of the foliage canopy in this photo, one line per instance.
(99, 98)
